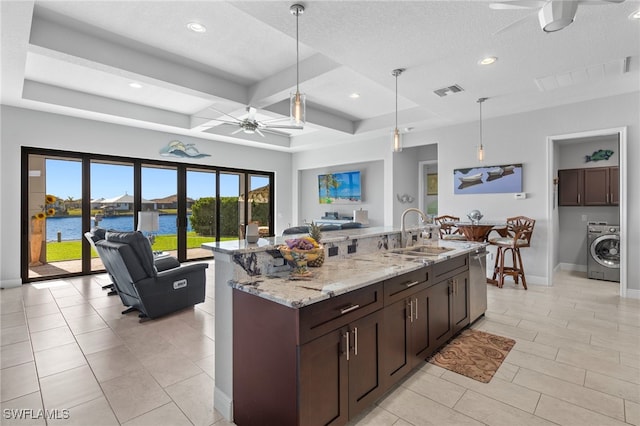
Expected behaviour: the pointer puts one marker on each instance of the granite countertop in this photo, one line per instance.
(263, 244)
(341, 276)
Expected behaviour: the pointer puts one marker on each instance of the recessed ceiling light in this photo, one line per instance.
(354, 95)
(196, 27)
(135, 85)
(488, 60)
(635, 15)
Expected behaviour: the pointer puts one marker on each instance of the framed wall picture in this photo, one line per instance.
(488, 179)
(432, 184)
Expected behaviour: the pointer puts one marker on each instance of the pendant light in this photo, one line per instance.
(397, 141)
(481, 147)
(297, 99)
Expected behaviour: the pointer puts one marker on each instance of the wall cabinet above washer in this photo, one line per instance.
(597, 186)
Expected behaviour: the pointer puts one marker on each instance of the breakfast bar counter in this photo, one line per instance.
(267, 319)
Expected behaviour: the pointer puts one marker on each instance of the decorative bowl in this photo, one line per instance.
(300, 259)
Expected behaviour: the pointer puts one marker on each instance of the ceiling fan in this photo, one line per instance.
(553, 15)
(251, 125)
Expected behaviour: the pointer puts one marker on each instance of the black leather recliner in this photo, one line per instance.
(129, 260)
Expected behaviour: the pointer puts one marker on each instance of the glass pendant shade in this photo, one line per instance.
(397, 140)
(297, 108)
(480, 153)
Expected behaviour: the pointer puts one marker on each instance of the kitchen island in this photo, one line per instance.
(322, 349)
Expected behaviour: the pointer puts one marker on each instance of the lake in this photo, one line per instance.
(71, 226)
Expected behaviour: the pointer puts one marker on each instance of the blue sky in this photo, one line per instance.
(64, 180)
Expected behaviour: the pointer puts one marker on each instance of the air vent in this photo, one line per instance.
(583, 75)
(445, 91)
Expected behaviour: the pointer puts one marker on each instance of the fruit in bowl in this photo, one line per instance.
(302, 252)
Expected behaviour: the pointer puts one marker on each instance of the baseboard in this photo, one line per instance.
(573, 267)
(11, 283)
(223, 403)
(633, 293)
(537, 280)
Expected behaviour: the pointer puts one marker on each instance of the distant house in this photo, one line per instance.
(171, 202)
(122, 203)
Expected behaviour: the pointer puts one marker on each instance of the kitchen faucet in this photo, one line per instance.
(403, 238)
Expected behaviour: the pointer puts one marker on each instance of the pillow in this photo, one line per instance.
(350, 225)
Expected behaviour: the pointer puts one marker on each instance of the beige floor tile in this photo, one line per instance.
(492, 412)
(15, 354)
(112, 363)
(599, 365)
(577, 335)
(69, 388)
(564, 413)
(46, 322)
(51, 338)
(41, 310)
(536, 348)
(170, 367)
(193, 347)
(632, 412)
(37, 297)
(77, 311)
(419, 410)
(585, 348)
(167, 415)
(145, 342)
(506, 372)
(208, 365)
(631, 319)
(86, 324)
(503, 319)
(12, 319)
(102, 302)
(632, 360)
(507, 330)
(67, 301)
(571, 314)
(96, 412)
(547, 366)
(572, 393)
(194, 397)
(18, 381)
(432, 369)
(99, 340)
(536, 317)
(374, 416)
(628, 343)
(500, 390)
(615, 387)
(16, 334)
(133, 395)
(17, 416)
(58, 359)
(435, 388)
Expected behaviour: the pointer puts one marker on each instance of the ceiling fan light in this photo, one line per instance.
(298, 108)
(555, 15)
(196, 27)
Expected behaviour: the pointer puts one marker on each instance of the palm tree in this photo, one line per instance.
(327, 182)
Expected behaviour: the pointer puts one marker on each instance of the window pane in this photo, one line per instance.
(231, 208)
(260, 202)
(159, 193)
(201, 212)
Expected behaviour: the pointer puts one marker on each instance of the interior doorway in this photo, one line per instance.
(428, 187)
(554, 144)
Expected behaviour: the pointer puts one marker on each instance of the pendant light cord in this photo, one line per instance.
(297, 55)
(397, 99)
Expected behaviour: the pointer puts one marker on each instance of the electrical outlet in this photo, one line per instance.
(333, 251)
(351, 248)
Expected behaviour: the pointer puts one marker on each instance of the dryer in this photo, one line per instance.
(603, 257)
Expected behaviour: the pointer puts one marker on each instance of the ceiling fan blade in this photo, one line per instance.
(237, 131)
(517, 4)
(224, 113)
(282, 126)
(598, 2)
(259, 132)
(515, 23)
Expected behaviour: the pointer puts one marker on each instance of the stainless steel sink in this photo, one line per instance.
(422, 251)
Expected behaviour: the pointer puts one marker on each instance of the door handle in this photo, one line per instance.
(355, 341)
(346, 335)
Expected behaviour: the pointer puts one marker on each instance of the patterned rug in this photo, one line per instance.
(474, 354)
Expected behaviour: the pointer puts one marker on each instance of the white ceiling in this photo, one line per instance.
(78, 58)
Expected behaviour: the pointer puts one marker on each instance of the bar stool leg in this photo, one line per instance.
(521, 269)
(496, 264)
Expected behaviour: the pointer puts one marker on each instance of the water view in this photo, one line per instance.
(70, 227)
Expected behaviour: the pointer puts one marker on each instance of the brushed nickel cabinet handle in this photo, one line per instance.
(411, 305)
(348, 309)
(355, 341)
(410, 284)
(346, 335)
(578, 198)
(416, 308)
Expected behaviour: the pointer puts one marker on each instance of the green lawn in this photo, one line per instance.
(70, 250)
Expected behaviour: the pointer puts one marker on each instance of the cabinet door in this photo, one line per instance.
(596, 186)
(396, 341)
(614, 185)
(324, 380)
(461, 300)
(420, 341)
(570, 187)
(365, 362)
(439, 313)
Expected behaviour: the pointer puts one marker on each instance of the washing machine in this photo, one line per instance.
(603, 246)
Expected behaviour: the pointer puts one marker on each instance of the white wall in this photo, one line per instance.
(22, 127)
(519, 138)
(372, 180)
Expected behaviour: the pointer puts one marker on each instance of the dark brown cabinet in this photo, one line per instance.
(598, 186)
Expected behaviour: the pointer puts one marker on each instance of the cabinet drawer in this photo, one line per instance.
(404, 285)
(450, 267)
(323, 317)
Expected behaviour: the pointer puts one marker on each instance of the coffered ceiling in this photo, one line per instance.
(79, 58)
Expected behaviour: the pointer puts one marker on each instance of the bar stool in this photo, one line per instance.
(516, 236)
(448, 230)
